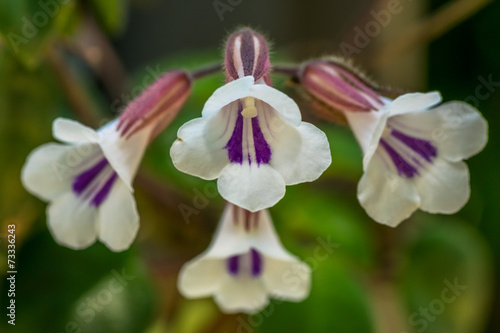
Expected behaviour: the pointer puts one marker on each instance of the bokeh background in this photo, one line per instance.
(86, 61)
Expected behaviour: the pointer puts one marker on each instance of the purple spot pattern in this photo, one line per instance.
(256, 263)
(233, 265)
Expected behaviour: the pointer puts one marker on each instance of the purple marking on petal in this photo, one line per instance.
(422, 147)
(405, 169)
(262, 149)
(234, 145)
(256, 263)
(233, 265)
(83, 180)
(104, 191)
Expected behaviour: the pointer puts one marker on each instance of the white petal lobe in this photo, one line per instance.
(72, 222)
(254, 187)
(71, 131)
(444, 187)
(118, 218)
(386, 197)
(300, 154)
(414, 102)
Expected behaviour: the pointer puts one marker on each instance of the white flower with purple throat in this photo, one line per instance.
(245, 265)
(88, 178)
(250, 136)
(413, 146)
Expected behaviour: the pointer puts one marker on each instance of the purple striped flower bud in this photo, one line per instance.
(157, 105)
(247, 54)
(338, 86)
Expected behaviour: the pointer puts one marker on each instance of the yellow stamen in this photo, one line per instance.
(249, 109)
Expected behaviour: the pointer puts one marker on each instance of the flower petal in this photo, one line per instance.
(201, 277)
(124, 154)
(444, 187)
(199, 149)
(266, 240)
(367, 128)
(230, 237)
(50, 168)
(386, 197)
(300, 154)
(290, 280)
(414, 102)
(458, 130)
(226, 94)
(118, 218)
(278, 101)
(253, 187)
(242, 294)
(70, 131)
(72, 222)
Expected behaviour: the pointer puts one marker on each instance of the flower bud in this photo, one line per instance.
(338, 86)
(156, 106)
(247, 54)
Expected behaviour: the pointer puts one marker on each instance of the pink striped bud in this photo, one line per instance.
(157, 105)
(339, 86)
(247, 54)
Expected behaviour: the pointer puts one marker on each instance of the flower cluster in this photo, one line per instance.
(251, 138)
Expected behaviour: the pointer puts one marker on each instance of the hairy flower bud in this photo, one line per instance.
(158, 104)
(338, 86)
(247, 54)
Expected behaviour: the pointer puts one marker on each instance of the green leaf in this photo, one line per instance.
(447, 279)
(31, 25)
(122, 301)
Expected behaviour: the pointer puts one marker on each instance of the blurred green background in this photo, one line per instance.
(86, 59)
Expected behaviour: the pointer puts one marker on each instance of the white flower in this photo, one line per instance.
(88, 181)
(245, 265)
(251, 138)
(413, 152)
